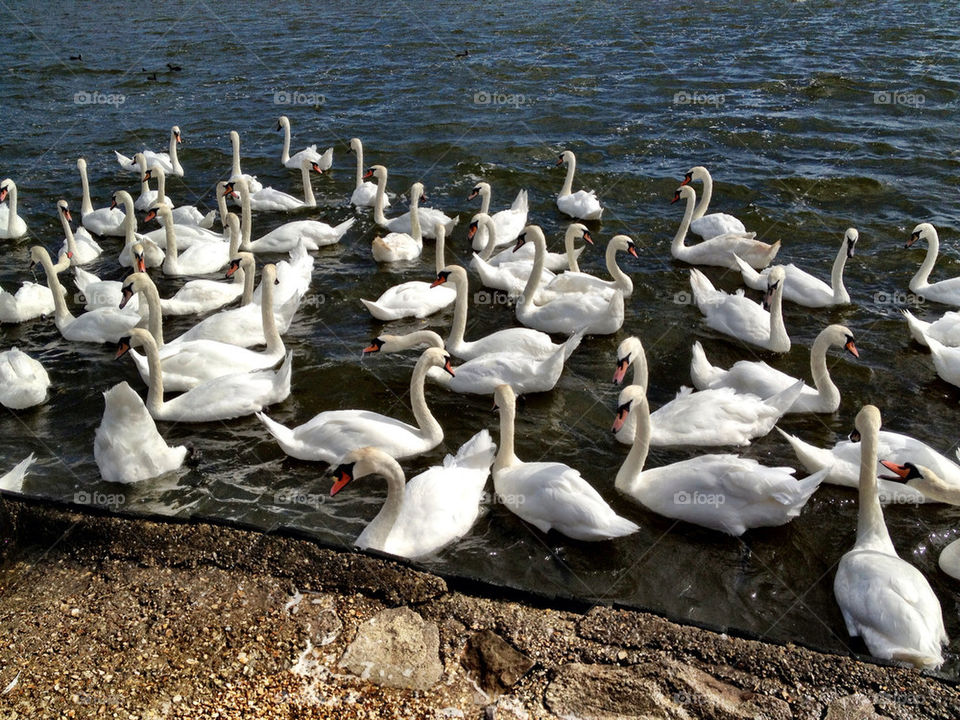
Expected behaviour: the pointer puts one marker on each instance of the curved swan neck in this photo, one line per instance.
(568, 244)
(425, 421)
(818, 369)
(840, 293)
(68, 233)
(621, 279)
(308, 199)
(485, 198)
(871, 529)
(415, 231)
(378, 217)
(706, 196)
(270, 333)
(358, 149)
(505, 455)
(458, 328)
(378, 530)
(285, 153)
(677, 244)
(222, 204)
(86, 206)
(633, 464)
(233, 227)
(568, 180)
(415, 338)
(487, 222)
(933, 249)
(129, 219)
(155, 388)
(161, 182)
(148, 291)
(533, 282)
(170, 234)
(61, 312)
(641, 372)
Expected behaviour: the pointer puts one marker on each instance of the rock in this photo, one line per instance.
(494, 663)
(506, 708)
(396, 648)
(666, 689)
(852, 707)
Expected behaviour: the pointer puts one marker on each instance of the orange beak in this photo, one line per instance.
(900, 470)
(852, 349)
(621, 371)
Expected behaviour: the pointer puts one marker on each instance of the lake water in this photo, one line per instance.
(812, 116)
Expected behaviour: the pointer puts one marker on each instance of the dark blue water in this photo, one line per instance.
(812, 116)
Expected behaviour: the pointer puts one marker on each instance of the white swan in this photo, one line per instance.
(592, 312)
(415, 298)
(883, 599)
(509, 222)
(126, 446)
(96, 326)
(396, 246)
(741, 318)
(32, 299)
(270, 199)
(330, 435)
(434, 509)
(524, 373)
(510, 274)
(760, 379)
(151, 254)
(106, 221)
(186, 215)
(23, 380)
(13, 480)
(96, 293)
(803, 288)
(946, 361)
(720, 249)
(582, 204)
(323, 160)
(944, 291)
(167, 160)
(945, 330)
(727, 493)
(15, 227)
(708, 226)
(521, 340)
(147, 197)
(429, 217)
(578, 282)
(550, 495)
(82, 249)
(364, 191)
(201, 258)
(221, 398)
(235, 172)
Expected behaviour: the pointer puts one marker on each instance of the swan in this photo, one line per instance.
(270, 199)
(520, 340)
(202, 295)
(167, 160)
(313, 233)
(104, 221)
(708, 226)
(126, 446)
(295, 161)
(884, 599)
(760, 379)
(509, 222)
(550, 495)
(740, 317)
(434, 509)
(429, 217)
(396, 246)
(15, 226)
(946, 361)
(222, 398)
(187, 364)
(186, 215)
(32, 299)
(151, 254)
(727, 493)
(933, 487)
(481, 375)
(843, 463)
(805, 289)
(83, 249)
(508, 275)
(415, 298)
(13, 480)
(364, 192)
(591, 312)
(23, 380)
(96, 326)
(718, 250)
(944, 291)
(582, 204)
(330, 435)
(946, 330)
(235, 172)
(567, 260)
(147, 197)
(202, 258)
(718, 416)
(578, 282)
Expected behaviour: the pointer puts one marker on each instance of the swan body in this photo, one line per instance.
(269, 199)
(147, 197)
(708, 226)
(760, 379)
(946, 330)
(429, 217)
(323, 160)
(126, 445)
(727, 493)
(740, 317)
(397, 246)
(364, 191)
(550, 495)
(220, 398)
(203, 258)
(167, 160)
(433, 509)
(592, 312)
(15, 227)
(235, 172)
(23, 380)
(104, 221)
(581, 204)
(579, 282)
(944, 291)
(83, 249)
(720, 249)
(30, 301)
(330, 435)
(946, 360)
(509, 222)
(13, 480)
(883, 599)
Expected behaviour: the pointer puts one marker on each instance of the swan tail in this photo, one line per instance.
(283, 376)
(13, 480)
(520, 203)
(208, 219)
(751, 278)
(125, 162)
(702, 373)
(83, 279)
(918, 328)
(702, 288)
(785, 399)
(326, 159)
(378, 311)
(572, 343)
(811, 457)
(774, 249)
(476, 453)
(281, 433)
(619, 527)
(342, 228)
(800, 492)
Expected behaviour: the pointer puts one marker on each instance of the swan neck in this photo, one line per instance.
(378, 217)
(308, 199)
(778, 331)
(568, 244)
(415, 231)
(568, 180)
(459, 326)
(821, 374)
(533, 282)
(171, 236)
(248, 281)
(705, 197)
(269, 319)
(923, 274)
(840, 293)
(155, 388)
(68, 234)
(633, 464)
(61, 312)
(359, 165)
(428, 424)
(174, 160)
(379, 528)
(505, 454)
(285, 153)
(12, 215)
(148, 291)
(485, 200)
(246, 216)
(623, 282)
(491, 245)
(640, 370)
(86, 206)
(441, 250)
(871, 529)
(161, 185)
(681, 235)
(235, 142)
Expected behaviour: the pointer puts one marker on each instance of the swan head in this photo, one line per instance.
(416, 191)
(923, 479)
(867, 421)
(841, 336)
(530, 232)
(162, 210)
(774, 285)
(699, 172)
(283, 122)
(131, 285)
(436, 357)
(684, 192)
(631, 398)
(625, 244)
(138, 337)
(850, 237)
(395, 343)
(566, 156)
(923, 231)
(139, 263)
(242, 260)
(451, 273)
(481, 188)
(355, 145)
(81, 164)
(175, 131)
(38, 255)
(64, 209)
(6, 187)
(475, 224)
(628, 351)
(579, 230)
(121, 197)
(377, 171)
(141, 160)
(360, 463)
(309, 164)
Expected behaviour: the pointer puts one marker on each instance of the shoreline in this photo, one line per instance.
(114, 616)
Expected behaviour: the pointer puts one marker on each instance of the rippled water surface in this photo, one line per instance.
(812, 116)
